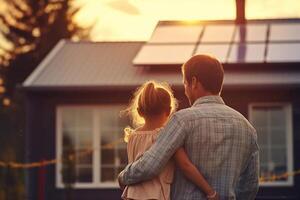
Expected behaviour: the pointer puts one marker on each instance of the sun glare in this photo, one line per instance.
(136, 19)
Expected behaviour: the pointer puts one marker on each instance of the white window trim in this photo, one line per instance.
(96, 156)
(289, 140)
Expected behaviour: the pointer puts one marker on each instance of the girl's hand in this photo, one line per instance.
(214, 196)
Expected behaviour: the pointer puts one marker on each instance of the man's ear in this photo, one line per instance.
(194, 82)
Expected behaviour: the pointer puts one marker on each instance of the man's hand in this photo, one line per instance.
(214, 196)
(121, 184)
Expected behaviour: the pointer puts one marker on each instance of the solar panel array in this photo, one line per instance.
(255, 42)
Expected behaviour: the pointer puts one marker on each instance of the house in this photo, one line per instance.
(74, 97)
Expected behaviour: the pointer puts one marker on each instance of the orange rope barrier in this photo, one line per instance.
(110, 146)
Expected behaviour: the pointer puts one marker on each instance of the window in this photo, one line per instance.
(273, 123)
(93, 136)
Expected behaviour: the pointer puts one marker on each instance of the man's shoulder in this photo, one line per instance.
(188, 114)
(240, 118)
(208, 111)
(183, 113)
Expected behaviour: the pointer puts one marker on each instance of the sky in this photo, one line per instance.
(135, 20)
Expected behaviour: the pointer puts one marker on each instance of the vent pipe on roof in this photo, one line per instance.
(240, 11)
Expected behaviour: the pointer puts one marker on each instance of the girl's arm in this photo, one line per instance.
(192, 173)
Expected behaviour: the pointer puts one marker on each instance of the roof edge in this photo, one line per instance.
(44, 62)
(46, 89)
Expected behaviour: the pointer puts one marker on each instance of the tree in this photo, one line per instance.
(30, 29)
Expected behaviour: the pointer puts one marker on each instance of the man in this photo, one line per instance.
(219, 141)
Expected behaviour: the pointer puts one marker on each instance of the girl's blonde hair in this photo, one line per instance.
(151, 99)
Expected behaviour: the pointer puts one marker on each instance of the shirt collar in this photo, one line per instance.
(209, 99)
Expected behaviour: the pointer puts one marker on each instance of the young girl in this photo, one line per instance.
(150, 109)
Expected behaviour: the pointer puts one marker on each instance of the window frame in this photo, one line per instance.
(96, 137)
(287, 107)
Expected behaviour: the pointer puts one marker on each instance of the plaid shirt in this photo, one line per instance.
(219, 141)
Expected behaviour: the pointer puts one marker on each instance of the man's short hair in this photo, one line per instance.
(207, 70)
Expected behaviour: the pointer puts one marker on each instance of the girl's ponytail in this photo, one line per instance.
(149, 100)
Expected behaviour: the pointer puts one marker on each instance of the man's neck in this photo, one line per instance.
(200, 95)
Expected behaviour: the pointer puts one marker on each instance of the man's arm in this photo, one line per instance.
(171, 137)
(248, 184)
(193, 174)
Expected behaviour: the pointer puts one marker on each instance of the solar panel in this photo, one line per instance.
(217, 50)
(285, 32)
(218, 33)
(176, 34)
(174, 43)
(163, 54)
(283, 52)
(251, 33)
(250, 53)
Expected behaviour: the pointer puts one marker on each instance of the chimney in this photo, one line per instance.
(240, 11)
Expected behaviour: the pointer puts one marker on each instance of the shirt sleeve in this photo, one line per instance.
(249, 180)
(170, 138)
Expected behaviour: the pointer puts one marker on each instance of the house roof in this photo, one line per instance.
(109, 64)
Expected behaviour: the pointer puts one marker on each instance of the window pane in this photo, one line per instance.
(77, 118)
(278, 137)
(276, 118)
(218, 33)
(279, 157)
(84, 139)
(251, 33)
(113, 156)
(259, 117)
(84, 156)
(285, 52)
(107, 156)
(69, 140)
(77, 141)
(163, 54)
(107, 137)
(176, 34)
(84, 174)
(108, 174)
